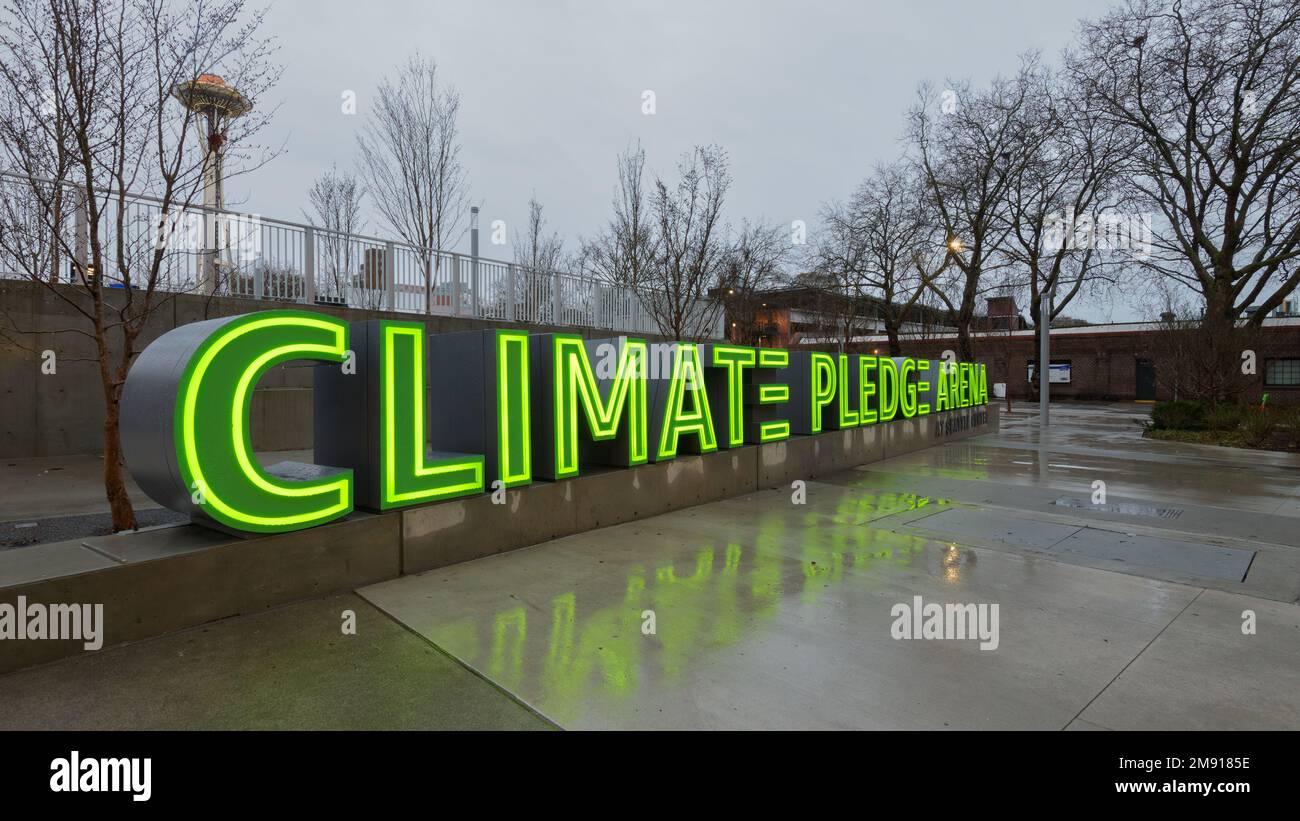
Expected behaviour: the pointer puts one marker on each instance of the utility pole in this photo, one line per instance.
(1044, 354)
(473, 261)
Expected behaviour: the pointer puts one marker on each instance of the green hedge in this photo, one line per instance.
(1180, 414)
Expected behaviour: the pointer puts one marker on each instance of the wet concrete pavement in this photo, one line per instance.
(761, 612)
(289, 668)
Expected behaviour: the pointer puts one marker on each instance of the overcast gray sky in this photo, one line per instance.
(805, 96)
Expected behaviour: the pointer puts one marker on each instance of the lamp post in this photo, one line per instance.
(1044, 353)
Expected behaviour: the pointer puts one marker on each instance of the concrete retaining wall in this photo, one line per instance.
(63, 413)
(166, 579)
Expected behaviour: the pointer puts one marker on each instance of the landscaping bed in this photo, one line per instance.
(1227, 425)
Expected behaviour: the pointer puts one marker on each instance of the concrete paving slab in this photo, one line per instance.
(1080, 724)
(41, 487)
(1203, 672)
(1127, 551)
(842, 504)
(976, 526)
(783, 621)
(290, 668)
(27, 564)
(44, 487)
(157, 543)
(1194, 520)
(1171, 482)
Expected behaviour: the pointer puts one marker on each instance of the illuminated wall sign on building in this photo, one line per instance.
(405, 418)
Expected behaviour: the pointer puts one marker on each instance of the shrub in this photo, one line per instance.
(1225, 417)
(1290, 420)
(1180, 414)
(1258, 426)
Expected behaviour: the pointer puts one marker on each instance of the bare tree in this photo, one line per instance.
(535, 249)
(410, 149)
(836, 276)
(539, 255)
(693, 251)
(1210, 91)
(669, 243)
(626, 248)
(1199, 360)
(965, 153)
(335, 199)
(902, 258)
(85, 96)
(1068, 232)
(755, 264)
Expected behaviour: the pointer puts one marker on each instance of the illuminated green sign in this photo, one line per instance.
(403, 417)
(409, 473)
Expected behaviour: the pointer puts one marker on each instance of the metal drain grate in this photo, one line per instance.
(1124, 508)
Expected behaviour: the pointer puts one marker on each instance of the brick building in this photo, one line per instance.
(801, 315)
(1108, 362)
(1089, 362)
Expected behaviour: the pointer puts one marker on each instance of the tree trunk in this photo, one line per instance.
(111, 379)
(114, 482)
(895, 347)
(965, 350)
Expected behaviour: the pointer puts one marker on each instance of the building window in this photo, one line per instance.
(1282, 373)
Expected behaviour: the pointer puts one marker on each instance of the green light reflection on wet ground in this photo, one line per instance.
(709, 594)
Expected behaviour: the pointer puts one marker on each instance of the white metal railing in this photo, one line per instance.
(229, 253)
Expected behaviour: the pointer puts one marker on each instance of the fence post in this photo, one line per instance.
(555, 297)
(475, 287)
(309, 265)
(455, 285)
(428, 259)
(510, 292)
(81, 225)
(390, 276)
(473, 253)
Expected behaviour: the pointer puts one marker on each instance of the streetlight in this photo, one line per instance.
(1044, 352)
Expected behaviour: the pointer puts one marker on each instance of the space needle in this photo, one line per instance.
(216, 103)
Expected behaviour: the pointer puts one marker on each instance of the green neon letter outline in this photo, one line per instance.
(907, 388)
(848, 418)
(408, 477)
(213, 438)
(735, 358)
(677, 420)
(575, 384)
(823, 386)
(889, 388)
(514, 425)
(772, 393)
(923, 369)
(868, 386)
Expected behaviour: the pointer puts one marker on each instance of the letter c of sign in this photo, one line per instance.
(186, 410)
